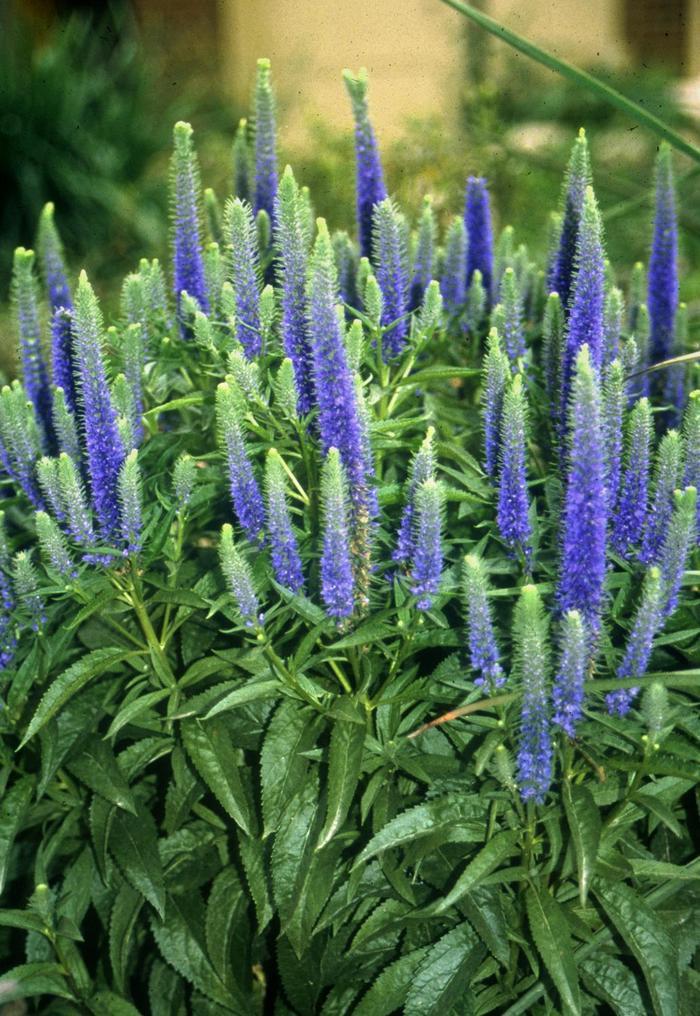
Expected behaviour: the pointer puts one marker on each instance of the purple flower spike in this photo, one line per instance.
(62, 354)
(667, 475)
(454, 274)
(238, 579)
(105, 453)
(582, 566)
(265, 142)
(630, 512)
(337, 587)
(512, 511)
(186, 198)
(613, 317)
(422, 468)
(477, 220)
(370, 186)
(614, 399)
(392, 275)
(646, 624)
(662, 283)
(532, 665)
(241, 234)
(245, 493)
(578, 178)
(426, 566)
(34, 373)
(286, 562)
(567, 692)
(483, 649)
(51, 263)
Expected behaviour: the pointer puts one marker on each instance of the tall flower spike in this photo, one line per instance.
(667, 474)
(370, 188)
(337, 588)
(390, 258)
(63, 373)
(134, 355)
(532, 667)
(554, 223)
(674, 387)
(512, 511)
(577, 179)
(47, 475)
(184, 481)
(477, 300)
(422, 468)
(647, 621)
(240, 158)
(614, 399)
(19, 439)
(641, 337)
(691, 439)
(241, 234)
(636, 294)
(426, 565)
(454, 269)
(346, 266)
(680, 537)
(286, 562)
(265, 141)
(496, 374)
(245, 493)
(338, 417)
(25, 581)
(214, 274)
(587, 295)
(105, 453)
(292, 242)
(34, 373)
(185, 200)
(513, 330)
(662, 283)
(131, 503)
(613, 317)
(238, 579)
(553, 330)
(53, 546)
(73, 503)
(65, 426)
(505, 255)
(483, 649)
(424, 254)
(477, 221)
(567, 691)
(51, 262)
(582, 565)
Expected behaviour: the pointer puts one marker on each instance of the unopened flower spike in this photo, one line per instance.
(184, 480)
(391, 263)
(504, 256)
(346, 266)
(613, 318)
(532, 669)
(373, 300)
(553, 331)
(477, 221)
(584, 518)
(635, 660)
(285, 390)
(614, 401)
(667, 475)
(63, 372)
(585, 324)
(51, 261)
(424, 254)
(20, 444)
(655, 710)
(483, 648)
(240, 159)
(680, 538)
(25, 296)
(574, 656)
(337, 586)
(245, 493)
(554, 223)
(453, 281)
(512, 513)
(53, 546)
(213, 216)
(675, 376)
(133, 355)
(292, 243)
(131, 503)
(286, 562)
(422, 468)
(355, 344)
(691, 440)
(370, 188)
(186, 201)
(265, 133)
(642, 383)
(662, 282)
(26, 583)
(476, 303)
(426, 563)
(577, 179)
(430, 313)
(636, 294)
(214, 274)
(123, 402)
(244, 273)
(496, 374)
(513, 328)
(104, 449)
(73, 502)
(238, 579)
(47, 476)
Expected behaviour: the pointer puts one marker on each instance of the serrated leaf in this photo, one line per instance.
(291, 731)
(422, 820)
(442, 978)
(70, 682)
(97, 768)
(13, 808)
(550, 933)
(26, 920)
(390, 989)
(659, 809)
(610, 980)
(135, 708)
(100, 818)
(133, 841)
(225, 913)
(663, 871)
(166, 991)
(253, 858)
(585, 825)
(122, 928)
(483, 906)
(253, 692)
(487, 860)
(292, 850)
(344, 767)
(648, 939)
(31, 979)
(106, 1003)
(209, 746)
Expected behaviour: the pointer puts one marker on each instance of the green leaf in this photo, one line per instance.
(106, 1003)
(166, 992)
(662, 871)
(389, 991)
(645, 934)
(97, 767)
(487, 860)
(292, 730)
(423, 377)
(13, 807)
(611, 981)
(292, 850)
(584, 822)
(253, 692)
(344, 767)
(659, 809)
(253, 853)
(122, 932)
(442, 978)
(134, 708)
(133, 841)
(71, 681)
(209, 746)
(421, 821)
(225, 918)
(27, 920)
(551, 936)
(31, 979)
(484, 908)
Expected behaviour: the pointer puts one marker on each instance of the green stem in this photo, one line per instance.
(136, 600)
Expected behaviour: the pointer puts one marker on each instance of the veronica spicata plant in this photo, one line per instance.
(348, 612)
